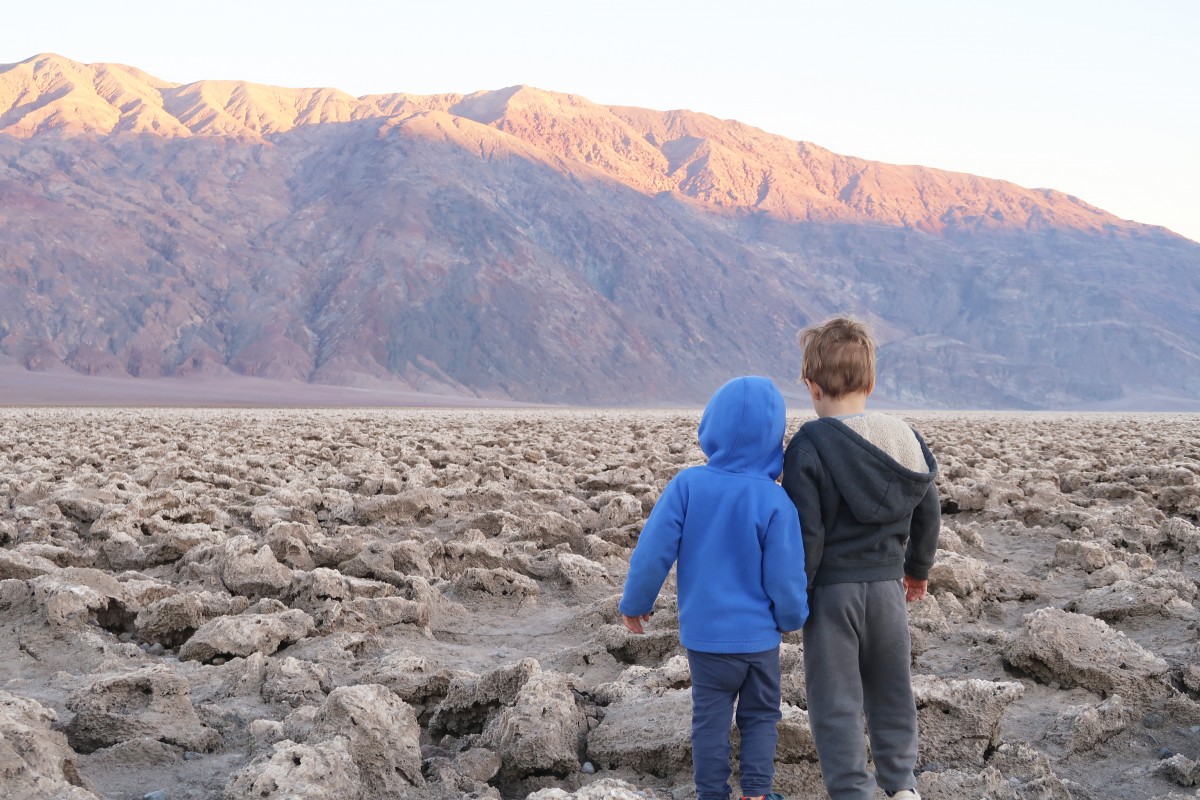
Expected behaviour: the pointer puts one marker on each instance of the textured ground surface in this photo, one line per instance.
(406, 603)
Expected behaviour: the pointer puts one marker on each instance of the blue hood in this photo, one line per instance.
(742, 427)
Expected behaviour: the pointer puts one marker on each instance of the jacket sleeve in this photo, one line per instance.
(923, 537)
(656, 551)
(785, 584)
(802, 481)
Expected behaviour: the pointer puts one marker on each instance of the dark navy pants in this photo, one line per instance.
(719, 680)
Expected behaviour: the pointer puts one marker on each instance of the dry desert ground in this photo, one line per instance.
(422, 604)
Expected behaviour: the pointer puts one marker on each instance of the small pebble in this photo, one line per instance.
(1154, 720)
(1164, 754)
(156, 649)
(161, 794)
(191, 755)
(587, 768)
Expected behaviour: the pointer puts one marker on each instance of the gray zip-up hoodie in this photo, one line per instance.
(865, 515)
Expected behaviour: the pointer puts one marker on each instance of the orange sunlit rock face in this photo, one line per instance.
(719, 162)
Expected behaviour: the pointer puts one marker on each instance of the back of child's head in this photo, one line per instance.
(839, 356)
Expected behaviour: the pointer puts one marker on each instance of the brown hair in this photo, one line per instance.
(839, 356)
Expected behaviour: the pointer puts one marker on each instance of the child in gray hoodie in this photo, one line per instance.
(869, 512)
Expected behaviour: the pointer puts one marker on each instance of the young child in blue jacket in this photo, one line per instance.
(736, 537)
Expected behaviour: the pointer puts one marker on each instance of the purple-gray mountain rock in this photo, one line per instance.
(526, 245)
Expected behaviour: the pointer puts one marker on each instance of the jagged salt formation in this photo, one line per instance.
(422, 604)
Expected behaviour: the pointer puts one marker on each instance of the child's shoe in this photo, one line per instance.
(771, 796)
(904, 794)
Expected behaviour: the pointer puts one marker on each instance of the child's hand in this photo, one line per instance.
(914, 589)
(635, 623)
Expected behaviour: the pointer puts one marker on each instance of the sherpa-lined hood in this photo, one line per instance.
(742, 427)
(866, 512)
(875, 485)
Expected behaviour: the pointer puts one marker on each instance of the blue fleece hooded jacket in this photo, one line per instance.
(732, 529)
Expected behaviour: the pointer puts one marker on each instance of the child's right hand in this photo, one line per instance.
(635, 623)
(914, 589)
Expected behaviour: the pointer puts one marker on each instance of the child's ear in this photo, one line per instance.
(814, 389)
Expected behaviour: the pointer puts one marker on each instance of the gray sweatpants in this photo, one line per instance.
(856, 663)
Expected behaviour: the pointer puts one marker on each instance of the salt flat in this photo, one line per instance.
(422, 603)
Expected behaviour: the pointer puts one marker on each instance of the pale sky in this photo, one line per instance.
(1096, 98)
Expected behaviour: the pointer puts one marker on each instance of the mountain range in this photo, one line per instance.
(532, 246)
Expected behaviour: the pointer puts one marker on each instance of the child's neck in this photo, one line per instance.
(852, 403)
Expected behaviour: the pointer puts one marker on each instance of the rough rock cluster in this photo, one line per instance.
(422, 604)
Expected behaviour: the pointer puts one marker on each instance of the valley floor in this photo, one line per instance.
(269, 603)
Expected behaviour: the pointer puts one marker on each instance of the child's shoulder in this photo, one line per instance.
(809, 430)
(801, 447)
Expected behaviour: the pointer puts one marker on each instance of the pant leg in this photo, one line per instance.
(887, 687)
(716, 680)
(758, 715)
(834, 688)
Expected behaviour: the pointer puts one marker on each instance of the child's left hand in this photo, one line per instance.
(635, 623)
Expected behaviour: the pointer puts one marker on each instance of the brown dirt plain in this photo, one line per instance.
(422, 604)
